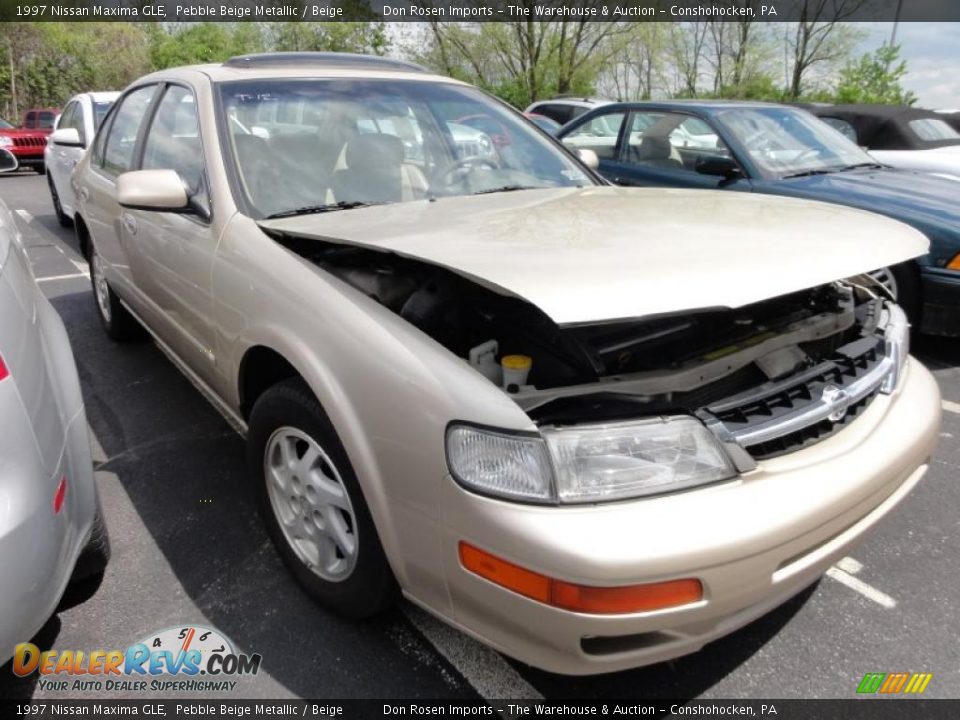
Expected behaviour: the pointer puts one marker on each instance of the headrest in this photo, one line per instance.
(655, 146)
(374, 151)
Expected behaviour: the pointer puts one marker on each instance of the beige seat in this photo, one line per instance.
(656, 151)
(375, 172)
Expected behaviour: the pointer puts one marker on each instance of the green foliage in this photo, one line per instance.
(202, 43)
(357, 37)
(875, 78)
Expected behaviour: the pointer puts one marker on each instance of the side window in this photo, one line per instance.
(173, 142)
(122, 138)
(599, 134)
(843, 126)
(671, 141)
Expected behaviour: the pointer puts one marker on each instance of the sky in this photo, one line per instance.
(932, 52)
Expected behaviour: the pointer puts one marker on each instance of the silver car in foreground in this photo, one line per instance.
(51, 531)
(594, 427)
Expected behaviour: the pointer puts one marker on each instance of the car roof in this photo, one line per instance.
(262, 66)
(884, 127)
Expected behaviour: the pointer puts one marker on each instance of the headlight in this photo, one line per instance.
(627, 460)
(5, 141)
(511, 466)
(588, 464)
(896, 337)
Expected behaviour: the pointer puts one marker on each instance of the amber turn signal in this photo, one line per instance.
(580, 598)
(955, 263)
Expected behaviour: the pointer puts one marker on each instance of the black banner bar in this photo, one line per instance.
(480, 10)
(854, 709)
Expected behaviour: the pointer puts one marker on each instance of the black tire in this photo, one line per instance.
(370, 587)
(90, 568)
(62, 217)
(908, 290)
(40, 169)
(118, 323)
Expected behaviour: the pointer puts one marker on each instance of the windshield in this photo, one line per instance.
(784, 142)
(305, 145)
(46, 119)
(4, 125)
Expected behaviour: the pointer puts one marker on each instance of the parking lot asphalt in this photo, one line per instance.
(188, 548)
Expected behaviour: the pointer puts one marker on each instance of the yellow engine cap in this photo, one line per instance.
(516, 362)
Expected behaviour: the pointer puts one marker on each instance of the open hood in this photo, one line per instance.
(586, 255)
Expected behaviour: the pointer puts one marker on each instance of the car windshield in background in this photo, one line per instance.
(312, 145)
(933, 130)
(4, 125)
(47, 119)
(100, 110)
(785, 142)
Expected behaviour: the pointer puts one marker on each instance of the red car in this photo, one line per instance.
(26, 143)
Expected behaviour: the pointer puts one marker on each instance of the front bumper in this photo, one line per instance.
(941, 303)
(753, 542)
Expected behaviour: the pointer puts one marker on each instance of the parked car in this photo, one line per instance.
(75, 130)
(564, 109)
(902, 137)
(52, 534)
(779, 150)
(25, 147)
(471, 379)
(543, 122)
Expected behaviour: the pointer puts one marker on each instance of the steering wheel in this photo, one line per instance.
(447, 176)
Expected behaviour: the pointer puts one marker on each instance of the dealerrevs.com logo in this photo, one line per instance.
(188, 658)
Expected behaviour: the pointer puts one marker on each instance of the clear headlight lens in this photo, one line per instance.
(511, 466)
(628, 460)
(896, 337)
(587, 464)
(5, 141)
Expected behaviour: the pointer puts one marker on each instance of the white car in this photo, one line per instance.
(564, 109)
(901, 137)
(74, 132)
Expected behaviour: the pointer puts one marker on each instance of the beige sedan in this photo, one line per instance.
(593, 427)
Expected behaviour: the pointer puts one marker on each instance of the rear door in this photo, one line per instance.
(63, 158)
(113, 154)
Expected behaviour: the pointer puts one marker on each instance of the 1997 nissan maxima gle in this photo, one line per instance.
(594, 427)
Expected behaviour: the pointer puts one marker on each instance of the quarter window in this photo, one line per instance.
(122, 139)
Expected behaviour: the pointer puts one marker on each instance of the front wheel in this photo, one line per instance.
(903, 283)
(312, 504)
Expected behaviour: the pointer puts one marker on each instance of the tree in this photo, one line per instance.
(875, 78)
(821, 38)
(356, 37)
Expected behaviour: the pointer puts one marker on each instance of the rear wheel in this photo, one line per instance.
(62, 217)
(90, 568)
(312, 505)
(115, 318)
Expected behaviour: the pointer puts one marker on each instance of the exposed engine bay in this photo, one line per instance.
(613, 370)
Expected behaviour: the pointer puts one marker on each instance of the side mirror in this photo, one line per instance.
(157, 190)
(68, 137)
(718, 165)
(8, 161)
(589, 158)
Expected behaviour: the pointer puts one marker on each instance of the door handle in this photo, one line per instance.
(130, 222)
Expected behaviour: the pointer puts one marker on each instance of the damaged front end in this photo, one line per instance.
(618, 404)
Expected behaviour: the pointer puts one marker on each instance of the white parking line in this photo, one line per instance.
(950, 406)
(868, 591)
(485, 669)
(64, 277)
(27, 217)
(849, 565)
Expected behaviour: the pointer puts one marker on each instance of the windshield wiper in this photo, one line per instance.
(807, 173)
(857, 166)
(508, 188)
(328, 207)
